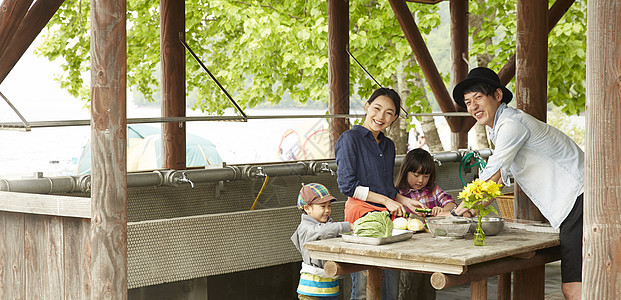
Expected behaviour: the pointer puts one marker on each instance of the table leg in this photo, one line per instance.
(478, 289)
(504, 286)
(374, 284)
(529, 283)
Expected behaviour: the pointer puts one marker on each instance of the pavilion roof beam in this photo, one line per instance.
(12, 13)
(27, 30)
(425, 61)
(555, 13)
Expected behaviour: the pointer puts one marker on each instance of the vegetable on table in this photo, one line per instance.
(400, 223)
(375, 224)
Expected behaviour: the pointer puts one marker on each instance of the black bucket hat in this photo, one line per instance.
(479, 75)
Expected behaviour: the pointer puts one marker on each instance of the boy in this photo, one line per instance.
(316, 203)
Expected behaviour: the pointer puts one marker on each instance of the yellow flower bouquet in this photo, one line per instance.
(475, 196)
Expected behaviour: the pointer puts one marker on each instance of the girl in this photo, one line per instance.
(417, 180)
(366, 158)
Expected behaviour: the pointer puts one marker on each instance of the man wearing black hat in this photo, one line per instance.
(546, 163)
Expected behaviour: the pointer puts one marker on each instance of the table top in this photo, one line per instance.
(425, 253)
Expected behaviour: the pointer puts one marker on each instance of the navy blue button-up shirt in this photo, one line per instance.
(361, 161)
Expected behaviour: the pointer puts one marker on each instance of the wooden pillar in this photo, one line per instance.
(478, 289)
(338, 73)
(529, 283)
(37, 17)
(374, 284)
(556, 12)
(504, 287)
(531, 76)
(172, 54)
(601, 271)
(108, 149)
(425, 61)
(459, 66)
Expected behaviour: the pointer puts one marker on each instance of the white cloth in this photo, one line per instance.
(361, 193)
(306, 268)
(546, 163)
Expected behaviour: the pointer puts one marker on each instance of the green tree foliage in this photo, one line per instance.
(566, 48)
(262, 51)
(258, 50)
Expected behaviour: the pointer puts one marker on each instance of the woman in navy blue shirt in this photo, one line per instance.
(365, 160)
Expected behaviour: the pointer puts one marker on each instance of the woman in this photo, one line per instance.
(366, 159)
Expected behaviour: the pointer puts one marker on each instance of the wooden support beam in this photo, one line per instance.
(459, 63)
(477, 272)
(338, 76)
(478, 289)
(108, 149)
(503, 291)
(37, 17)
(53, 205)
(374, 284)
(172, 55)
(556, 12)
(425, 61)
(529, 283)
(601, 253)
(12, 12)
(333, 268)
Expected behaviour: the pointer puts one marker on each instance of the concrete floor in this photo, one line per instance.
(552, 286)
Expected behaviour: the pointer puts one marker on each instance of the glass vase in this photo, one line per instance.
(479, 235)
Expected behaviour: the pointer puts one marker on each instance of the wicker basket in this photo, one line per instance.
(505, 203)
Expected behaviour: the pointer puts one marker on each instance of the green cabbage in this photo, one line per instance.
(375, 224)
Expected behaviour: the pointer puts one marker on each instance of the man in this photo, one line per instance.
(548, 165)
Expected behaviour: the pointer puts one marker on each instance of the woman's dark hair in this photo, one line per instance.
(418, 161)
(481, 87)
(392, 94)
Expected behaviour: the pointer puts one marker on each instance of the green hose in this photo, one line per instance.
(463, 165)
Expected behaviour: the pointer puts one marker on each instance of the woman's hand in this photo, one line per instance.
(395, 208)
(411, 204)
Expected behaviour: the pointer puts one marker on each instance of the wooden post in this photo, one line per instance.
(374, 284)
(601, 271)
(558, 9)
(108, 149)
(37, 17)
(459, 59)
(172, 54)
(338, 73)
(478, 289)
(529, 283)
(424, 59)
(504, 287)
(531, 75)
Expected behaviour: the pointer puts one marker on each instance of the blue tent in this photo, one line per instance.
(144, 148)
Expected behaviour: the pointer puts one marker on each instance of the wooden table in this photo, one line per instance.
(452, 261)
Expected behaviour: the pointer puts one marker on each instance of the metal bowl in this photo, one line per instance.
(448, 227)
(490, 225)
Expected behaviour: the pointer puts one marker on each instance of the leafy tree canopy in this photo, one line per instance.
(261, 51)
(566, 48)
